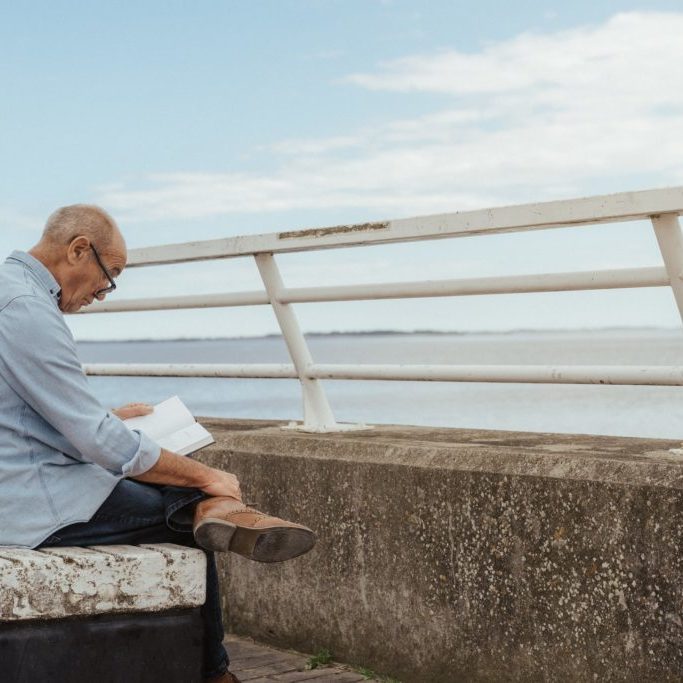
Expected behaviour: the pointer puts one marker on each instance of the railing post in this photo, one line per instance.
(318, 416)
(668, 232)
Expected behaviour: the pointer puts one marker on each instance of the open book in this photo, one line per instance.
(173, 427)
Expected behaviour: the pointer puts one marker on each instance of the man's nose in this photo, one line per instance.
(100, 296)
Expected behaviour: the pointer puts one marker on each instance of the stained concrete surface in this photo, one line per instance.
(54, 583)
(466, 555)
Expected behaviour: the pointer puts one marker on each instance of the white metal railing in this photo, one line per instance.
(662, 207)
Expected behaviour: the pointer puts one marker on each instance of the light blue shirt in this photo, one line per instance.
(61, 451)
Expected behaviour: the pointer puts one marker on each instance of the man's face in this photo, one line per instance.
(84, 277)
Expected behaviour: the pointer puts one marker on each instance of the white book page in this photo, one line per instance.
(168, 417)
(187, 440)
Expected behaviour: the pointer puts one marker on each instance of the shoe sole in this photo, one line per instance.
(272, 544)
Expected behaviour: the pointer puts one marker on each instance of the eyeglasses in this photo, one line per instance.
(112, 284)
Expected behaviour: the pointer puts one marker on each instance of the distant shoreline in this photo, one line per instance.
(390, 333)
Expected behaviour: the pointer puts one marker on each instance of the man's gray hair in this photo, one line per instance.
(88, 220)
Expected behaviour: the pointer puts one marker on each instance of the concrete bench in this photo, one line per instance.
(106, 613)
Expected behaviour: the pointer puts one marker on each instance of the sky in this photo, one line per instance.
(207, 119)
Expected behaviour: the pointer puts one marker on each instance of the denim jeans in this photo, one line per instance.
(148, 513)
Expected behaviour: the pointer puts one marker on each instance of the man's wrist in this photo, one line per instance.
(189, 473)
(177, 470)
(200, 475)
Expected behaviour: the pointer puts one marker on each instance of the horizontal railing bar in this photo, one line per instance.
(659, 375)
(253, 298)
(252, 371)
(523, 374)
(572, 212)
(511, 284)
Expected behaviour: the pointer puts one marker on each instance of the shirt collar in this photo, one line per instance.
(45, 277)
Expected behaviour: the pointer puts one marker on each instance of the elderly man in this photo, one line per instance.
(71, 473)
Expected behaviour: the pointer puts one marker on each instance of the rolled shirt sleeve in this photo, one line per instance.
(40, 362)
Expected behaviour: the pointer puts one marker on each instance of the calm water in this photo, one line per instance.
(631, 411)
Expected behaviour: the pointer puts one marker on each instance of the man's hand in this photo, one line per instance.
(222, 484)
(179, 470)
(133, 410)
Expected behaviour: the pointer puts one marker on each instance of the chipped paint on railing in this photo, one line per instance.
(335, 230)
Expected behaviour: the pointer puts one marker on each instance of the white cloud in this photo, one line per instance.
(18, 230)
(534, 117)
(13, 221)
(298, 147)
(631, 49)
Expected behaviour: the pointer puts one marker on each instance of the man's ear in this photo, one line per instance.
(78, 250)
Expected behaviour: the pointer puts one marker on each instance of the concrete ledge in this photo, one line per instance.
(53, 583)
(449, 555)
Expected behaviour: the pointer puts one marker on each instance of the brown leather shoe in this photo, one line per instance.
(227, 677)
(222, 524)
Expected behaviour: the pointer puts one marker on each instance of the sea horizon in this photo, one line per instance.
(396, 333)
(644, 411)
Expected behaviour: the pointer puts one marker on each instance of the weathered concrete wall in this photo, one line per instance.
(463, 555)
(54, 583)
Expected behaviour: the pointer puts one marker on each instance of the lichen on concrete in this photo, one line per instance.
(466, 555)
